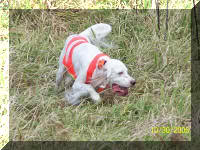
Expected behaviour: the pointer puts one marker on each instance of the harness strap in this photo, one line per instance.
(92, 67)
(68, 64)
(102, 89)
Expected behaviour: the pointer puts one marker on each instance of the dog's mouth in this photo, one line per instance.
(119, 90)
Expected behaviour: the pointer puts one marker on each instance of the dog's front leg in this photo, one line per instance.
(79, 90)
(85, 90)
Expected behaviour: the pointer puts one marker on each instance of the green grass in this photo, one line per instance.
(161, 68)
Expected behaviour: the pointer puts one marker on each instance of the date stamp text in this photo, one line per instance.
(175, 130)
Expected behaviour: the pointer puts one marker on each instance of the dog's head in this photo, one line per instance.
(118, 77)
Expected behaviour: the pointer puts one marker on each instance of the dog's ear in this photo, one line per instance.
(107, 69)
(100, 78)
(101, 64)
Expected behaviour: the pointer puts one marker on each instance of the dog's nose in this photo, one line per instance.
(133, 82)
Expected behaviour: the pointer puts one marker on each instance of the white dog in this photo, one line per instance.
(92, 70)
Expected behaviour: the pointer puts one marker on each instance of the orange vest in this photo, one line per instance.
(69, 65)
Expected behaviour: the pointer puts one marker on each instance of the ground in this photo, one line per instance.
(161, 67)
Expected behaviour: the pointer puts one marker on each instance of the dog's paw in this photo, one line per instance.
(75, 103)
(96, 98)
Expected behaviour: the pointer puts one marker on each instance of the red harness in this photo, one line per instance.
(69, 65)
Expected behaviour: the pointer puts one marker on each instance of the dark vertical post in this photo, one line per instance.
(197, 35)
(158, 15)
(136, 6)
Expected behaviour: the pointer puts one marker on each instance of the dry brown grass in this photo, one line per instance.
(162, 70)
(99, 4)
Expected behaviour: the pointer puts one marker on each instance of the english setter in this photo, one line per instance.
(92, 70)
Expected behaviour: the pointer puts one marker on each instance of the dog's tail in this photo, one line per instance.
(97, 34)
(97, 31)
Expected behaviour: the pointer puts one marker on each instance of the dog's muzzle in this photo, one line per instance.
(119, 90)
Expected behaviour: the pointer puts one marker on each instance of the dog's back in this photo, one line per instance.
(94, 35)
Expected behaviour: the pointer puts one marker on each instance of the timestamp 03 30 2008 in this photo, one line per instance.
(171, 130)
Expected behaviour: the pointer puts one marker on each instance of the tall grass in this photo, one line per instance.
(161, 68)
(96, 4)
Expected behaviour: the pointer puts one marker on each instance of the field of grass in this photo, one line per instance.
(161, 68)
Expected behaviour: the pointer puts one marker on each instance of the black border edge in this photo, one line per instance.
(195, 74)
(95, 145)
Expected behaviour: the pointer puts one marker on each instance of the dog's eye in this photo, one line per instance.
(120, 73)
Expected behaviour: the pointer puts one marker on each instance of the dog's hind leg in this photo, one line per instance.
(59, 74)
(68, 80)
